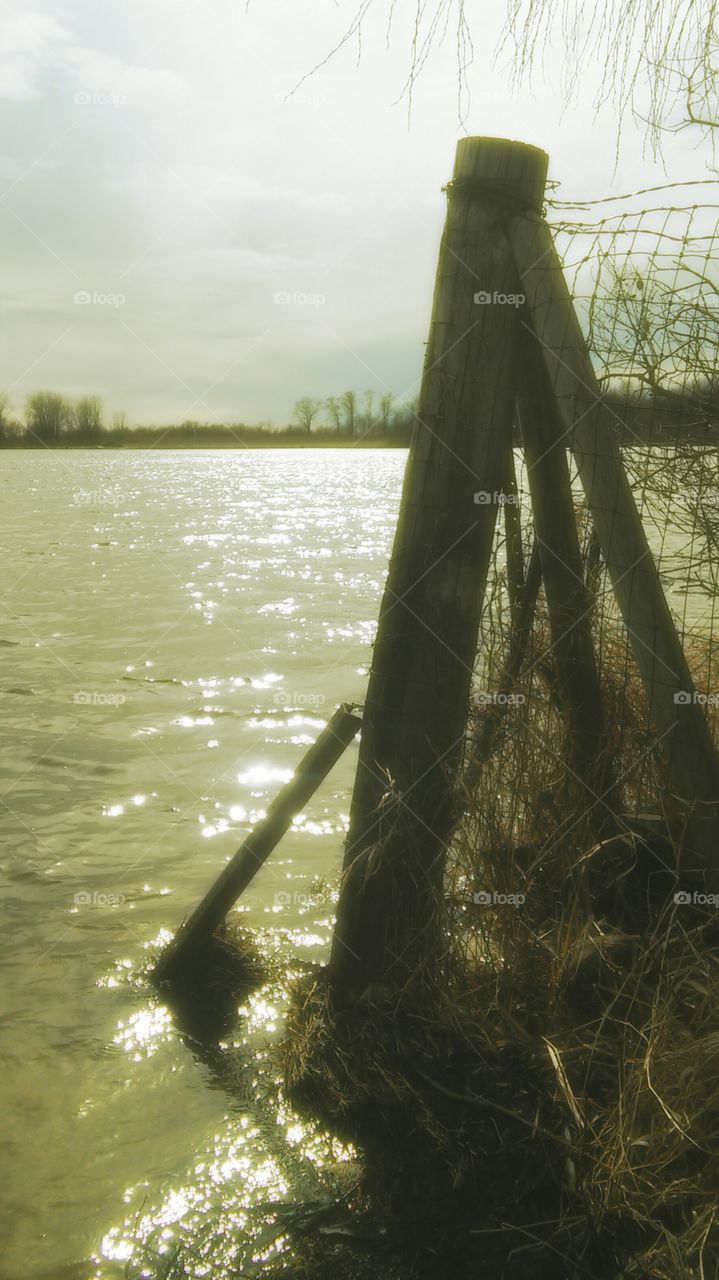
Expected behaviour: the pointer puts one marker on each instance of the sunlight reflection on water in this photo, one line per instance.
(224, 603)
(222, 1212)
(167, 658)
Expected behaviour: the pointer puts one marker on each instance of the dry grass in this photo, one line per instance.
(548, 1107)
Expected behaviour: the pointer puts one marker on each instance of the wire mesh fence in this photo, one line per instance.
(646, 291)
(646, 288)
(566, 925)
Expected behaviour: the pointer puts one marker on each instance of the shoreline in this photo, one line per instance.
(136, 446)
(237, 444)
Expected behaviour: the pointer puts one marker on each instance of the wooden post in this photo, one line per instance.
(589, 428)
(513, 539)
(482, 746)
(563, 573)
(241, 869)
(403, 806)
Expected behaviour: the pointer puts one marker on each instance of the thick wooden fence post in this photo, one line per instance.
(403, 805)
(589, 430)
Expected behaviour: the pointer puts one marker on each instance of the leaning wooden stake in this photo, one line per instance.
(589, 429)
(313, 769)
(403, 806)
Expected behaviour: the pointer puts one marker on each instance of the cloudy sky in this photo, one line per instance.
(160, 190)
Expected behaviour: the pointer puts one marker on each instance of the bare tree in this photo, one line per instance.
(119, 421)
(87, 416)
(333, 408)
(638, 47)
(48, 415)
(656, 332)
(406, 413)
(385, 409)
(694, 87)
(348, 401)
(629, 328)
(306, 411)
(369, 405)
(4, 417)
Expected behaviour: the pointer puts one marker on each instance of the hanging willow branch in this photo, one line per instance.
(657, 61)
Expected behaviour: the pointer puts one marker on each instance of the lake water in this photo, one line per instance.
(175, 628)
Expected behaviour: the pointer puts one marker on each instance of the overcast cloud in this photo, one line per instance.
(151, 164)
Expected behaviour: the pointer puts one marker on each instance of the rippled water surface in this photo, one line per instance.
(175, 627)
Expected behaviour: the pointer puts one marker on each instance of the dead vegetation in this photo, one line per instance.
(547, 1105)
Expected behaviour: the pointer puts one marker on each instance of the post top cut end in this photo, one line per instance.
(516, 171)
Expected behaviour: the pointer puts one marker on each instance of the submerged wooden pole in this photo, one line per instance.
(241, 869)
(589, 429)
(403, 806)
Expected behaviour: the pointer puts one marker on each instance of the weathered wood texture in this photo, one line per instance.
(589, 428)
(568, 601)
(483, 743)
(415, 715)
(241, 869)
(513, 538)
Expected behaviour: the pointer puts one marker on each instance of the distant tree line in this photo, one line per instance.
(663, 413)
(52, 420)
(666, 414)
(349, 415)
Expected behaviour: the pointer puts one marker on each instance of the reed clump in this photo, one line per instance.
(205, 994)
